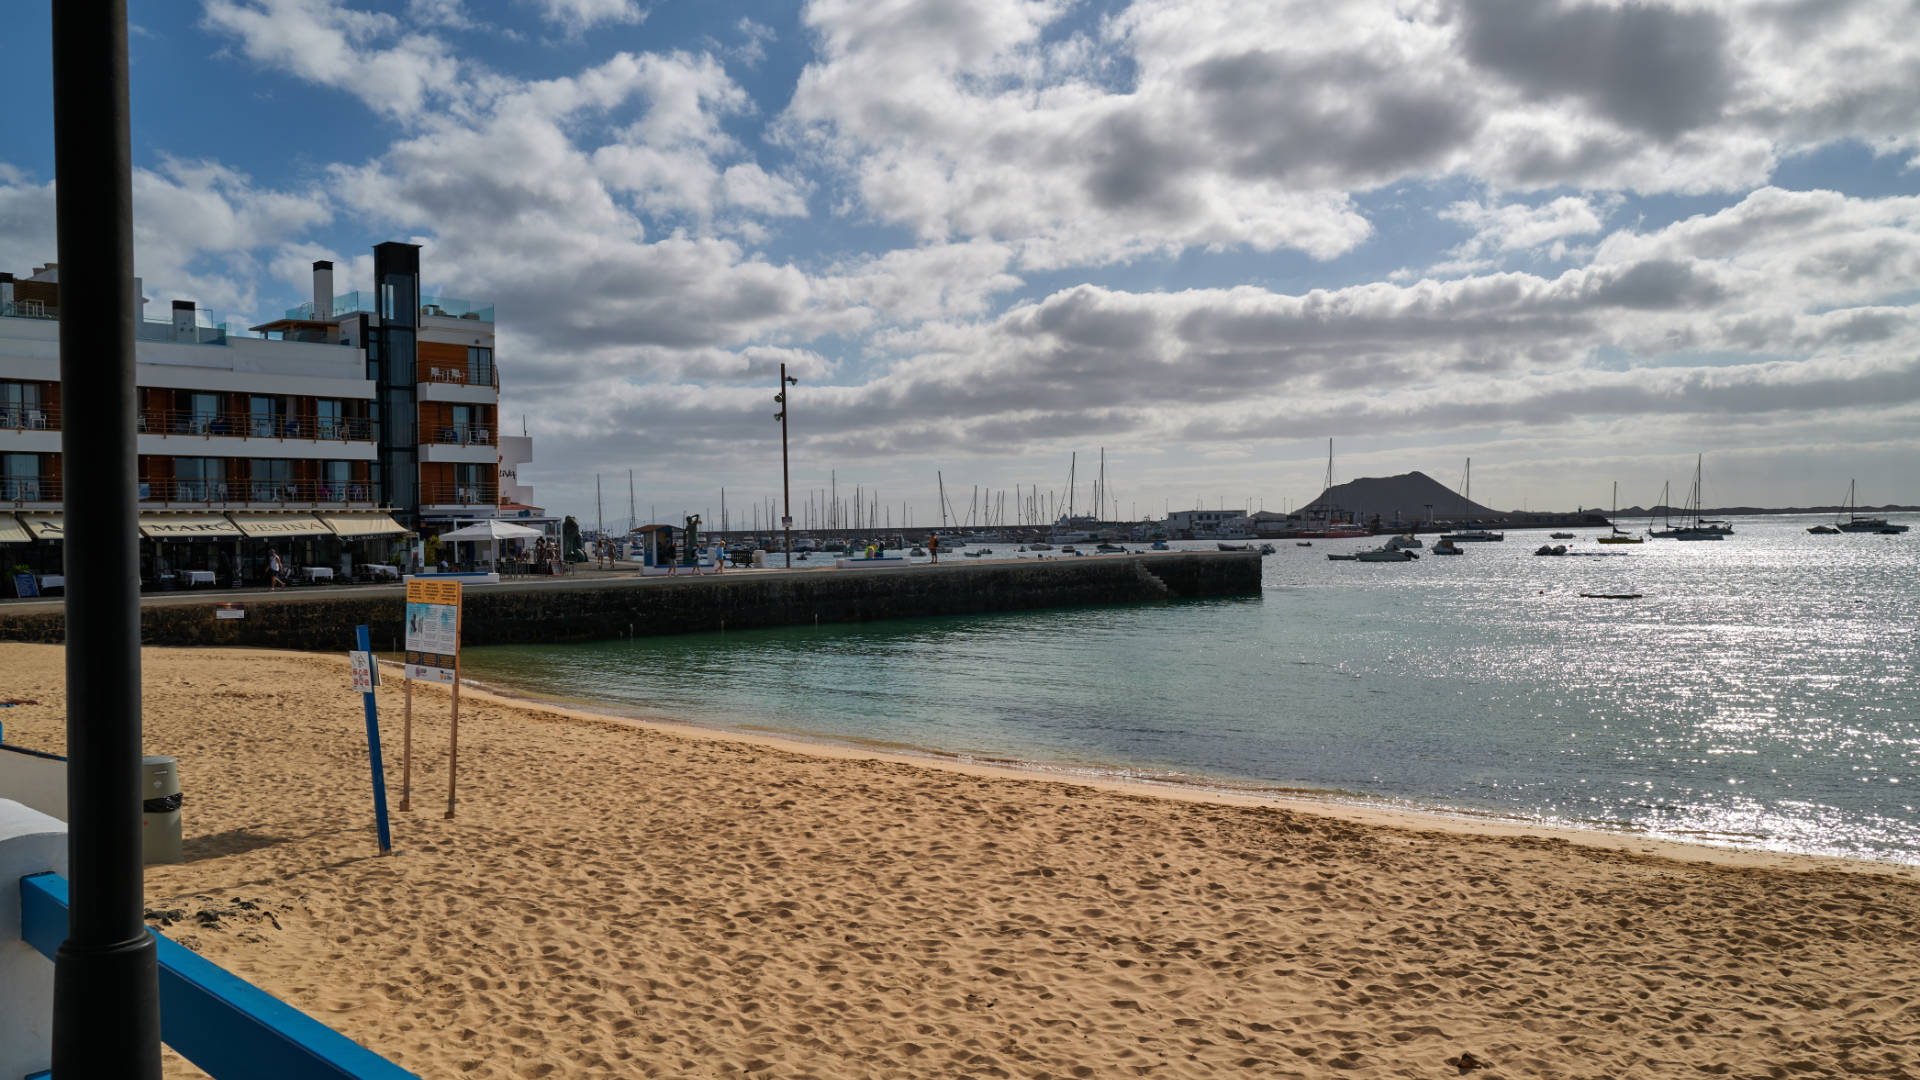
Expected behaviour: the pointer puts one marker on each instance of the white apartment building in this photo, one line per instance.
(330, 433)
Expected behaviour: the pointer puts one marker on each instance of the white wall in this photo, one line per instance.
(38, 782)
(30, 843)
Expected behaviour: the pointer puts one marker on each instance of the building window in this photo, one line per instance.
(265, 416)
(480, 366)
(468, 484)
(203, 415)
(20, 477)
(197, 479)
(271, 480)
(336, 482)
(21, 405)
(327, 419)
(396, 299)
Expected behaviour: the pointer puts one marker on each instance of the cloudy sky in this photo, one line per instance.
(1575, 241)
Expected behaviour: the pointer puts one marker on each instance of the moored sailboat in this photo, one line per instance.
(1857, 524)
(1617, 536)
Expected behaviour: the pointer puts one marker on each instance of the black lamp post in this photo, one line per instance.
(106, 973)
(786, 482)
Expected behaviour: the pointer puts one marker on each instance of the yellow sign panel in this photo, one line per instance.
(433, 630)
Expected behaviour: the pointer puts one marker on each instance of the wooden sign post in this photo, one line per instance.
(433, 655)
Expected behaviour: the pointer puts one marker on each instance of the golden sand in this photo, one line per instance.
(619, 899)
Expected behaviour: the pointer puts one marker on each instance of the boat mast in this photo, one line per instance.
(1072, 462)
(943, 498)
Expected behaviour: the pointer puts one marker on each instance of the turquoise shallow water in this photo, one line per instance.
(1761, 693)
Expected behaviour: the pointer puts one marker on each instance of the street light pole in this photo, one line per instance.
(106, 973)
(786, 481)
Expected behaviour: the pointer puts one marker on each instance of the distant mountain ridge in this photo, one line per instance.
(1407, 496)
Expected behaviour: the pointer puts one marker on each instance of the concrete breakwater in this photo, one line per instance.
(590, 607)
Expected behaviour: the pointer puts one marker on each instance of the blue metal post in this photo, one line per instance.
(373, 747)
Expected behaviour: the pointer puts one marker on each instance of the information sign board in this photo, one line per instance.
(365, 675)
(24, 585)
(433, 630)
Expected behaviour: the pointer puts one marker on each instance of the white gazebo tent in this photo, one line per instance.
(492, 531)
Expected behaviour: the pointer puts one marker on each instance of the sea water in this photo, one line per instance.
(1761, 692)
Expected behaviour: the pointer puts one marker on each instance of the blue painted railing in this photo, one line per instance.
(230, 1028)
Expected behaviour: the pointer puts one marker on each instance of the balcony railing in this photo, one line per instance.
(29, 417)
(460, 434)
(461, 374)
(256, 492)
(28, 489)
(28, 309)
(459, 495)
(447, 307)
(344, 304)
(244, 425)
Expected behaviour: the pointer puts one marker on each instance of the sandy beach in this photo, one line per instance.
(623, 899)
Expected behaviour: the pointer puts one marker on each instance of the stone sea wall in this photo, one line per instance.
(588, 607)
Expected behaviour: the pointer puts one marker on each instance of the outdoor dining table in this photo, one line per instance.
(318, 573)
(384, 570)
(197, 577)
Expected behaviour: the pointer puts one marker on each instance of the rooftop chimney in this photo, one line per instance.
(183, 328)
(322, 289)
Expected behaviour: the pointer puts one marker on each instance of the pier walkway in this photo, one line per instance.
(591, 604)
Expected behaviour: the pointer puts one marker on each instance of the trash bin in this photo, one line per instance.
(160, 800)
(759, 559)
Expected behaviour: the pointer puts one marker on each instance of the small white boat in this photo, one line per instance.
(1385, 554)
(1110, 549)
(1559, 536)
(1406, 541)
(1039, 545)
(1341, 558)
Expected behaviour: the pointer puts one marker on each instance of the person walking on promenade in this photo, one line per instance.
(933, 547)
(673, 562)
(276, 570)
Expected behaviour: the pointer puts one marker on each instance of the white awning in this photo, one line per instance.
(354, 526)
(492, 529)
(11, 531)
(187, 527)
(267, 526)
(45, 526)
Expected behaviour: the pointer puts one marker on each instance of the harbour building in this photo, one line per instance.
(1208, 524)
(333, 434)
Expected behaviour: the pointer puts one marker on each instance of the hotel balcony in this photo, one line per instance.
(255, 494)
(29, 491)
(29, 418)
(453, 496)
(472, 384)
(470, 444)
(243, 425)
(30, 429)
(243, 434)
